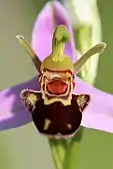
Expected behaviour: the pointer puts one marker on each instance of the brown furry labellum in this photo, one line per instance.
(55, 120)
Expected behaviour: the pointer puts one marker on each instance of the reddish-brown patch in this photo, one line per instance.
(57, 87)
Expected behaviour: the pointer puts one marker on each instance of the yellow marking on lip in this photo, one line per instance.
(81, 100)
(69, 126)
(32, 98)
(46, 124)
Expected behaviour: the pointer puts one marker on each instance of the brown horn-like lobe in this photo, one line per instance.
(30, 51)
(99, 48)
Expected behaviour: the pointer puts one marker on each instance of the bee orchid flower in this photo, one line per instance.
(97, 115)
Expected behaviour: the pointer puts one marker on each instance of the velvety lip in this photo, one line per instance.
(57, 87)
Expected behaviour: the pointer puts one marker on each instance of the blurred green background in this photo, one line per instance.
(22, 148)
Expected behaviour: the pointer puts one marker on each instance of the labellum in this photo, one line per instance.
(55, 110)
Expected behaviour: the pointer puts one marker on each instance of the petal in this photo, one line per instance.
(12, 112)
(89, 89)
(99, 114)
(52, 14)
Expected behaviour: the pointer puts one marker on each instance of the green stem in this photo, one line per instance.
(73, 151)
(66, 152)
(58, 149)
